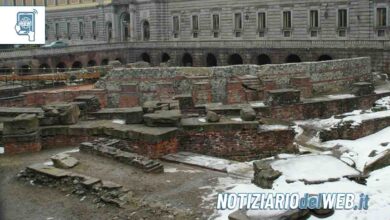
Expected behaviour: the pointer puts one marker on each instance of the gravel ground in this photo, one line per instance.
(178, 187)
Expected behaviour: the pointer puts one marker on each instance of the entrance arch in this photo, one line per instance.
(211, 60)
(77, 65)
(293, 58)
(263, 59)
(187, 60)
(235, 59)
(165, 57)
(145, 57)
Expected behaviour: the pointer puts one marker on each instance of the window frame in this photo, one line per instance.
(213, 30)
(237, 32)
(175, 32)
(193, 31)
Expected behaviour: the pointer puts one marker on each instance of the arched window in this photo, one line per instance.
(125, 26)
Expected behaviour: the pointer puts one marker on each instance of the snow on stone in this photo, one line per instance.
(359, 150)
(175, 170)
(202, 120)
(257, 104)
(313, 168)
(341, 96)
(1, 150)
(273, 127)
(236, 119)
(119, 121)
(384, 102)
(48, 163)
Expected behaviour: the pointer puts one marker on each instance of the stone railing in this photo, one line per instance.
(358, 44)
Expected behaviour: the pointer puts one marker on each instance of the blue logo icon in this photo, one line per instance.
(25, 24)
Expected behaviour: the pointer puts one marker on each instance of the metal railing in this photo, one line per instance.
(267, 44)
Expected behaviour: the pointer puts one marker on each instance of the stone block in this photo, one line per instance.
(283, 97)
(185, 101)
(92, 102)
(130, 115)
(15, 144)
(212, 116)
(363, 88)
(163, 119)
(21, 124)
(64, 161)
(248, 114)
(60, 114)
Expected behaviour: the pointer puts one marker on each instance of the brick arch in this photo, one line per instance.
(145, 57)
(91, 63)
(293, 58)
(263, 59)
(211, 60)
(235, 59)
(324, 57)
(187, 60)
(24, 69)
(44, 68)
(104, 62)
(165, 57)
(77, 65)
(61, 67)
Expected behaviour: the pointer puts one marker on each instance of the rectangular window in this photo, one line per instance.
(287, 20)
(68, 31)
(57, 30)
(314, 19)
(215, 22)
(381, 17)
(342, 18)
(176, 26)
(237, 21)
(261, 21)
(81, 30)
(94, 33)
(195, 26)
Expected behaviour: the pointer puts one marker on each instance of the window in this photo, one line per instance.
(68, 31)
(381, 17)
(342, 19)
(314, 19)
(314, 23)
(176, 26)
(287, 24)
(261, 23)
(94, 33)
(57, 31)
(195, 26)
(238, 24)
(215, 25)
(81, 30)
(287, 20)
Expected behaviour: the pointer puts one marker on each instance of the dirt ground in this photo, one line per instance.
(181, 187)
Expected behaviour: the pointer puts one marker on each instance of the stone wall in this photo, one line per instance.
(215, 83)
(243, 141)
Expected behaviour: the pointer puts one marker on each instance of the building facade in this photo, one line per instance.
(194, 26)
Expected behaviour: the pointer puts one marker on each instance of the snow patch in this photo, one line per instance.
(1, 150)
(202, 120)
(119, 121)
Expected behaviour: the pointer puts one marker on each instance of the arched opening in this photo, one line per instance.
(104, 62)
(119, 59)
(91, 63)
(145, 57)
(77, 65)
(211, 60)
(235, 59)
(4, 70)
(187, 60)
(293, 58)
(263, 59)
(44, 68)
(165, 57)
(145, 30)
(61, 67)
(109, 31)
(24, 69)
(324, 57)
(125, 26)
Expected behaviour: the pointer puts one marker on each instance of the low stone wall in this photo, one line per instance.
(151, 142)
(242, 141)
(347, 131)
(225, 84)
